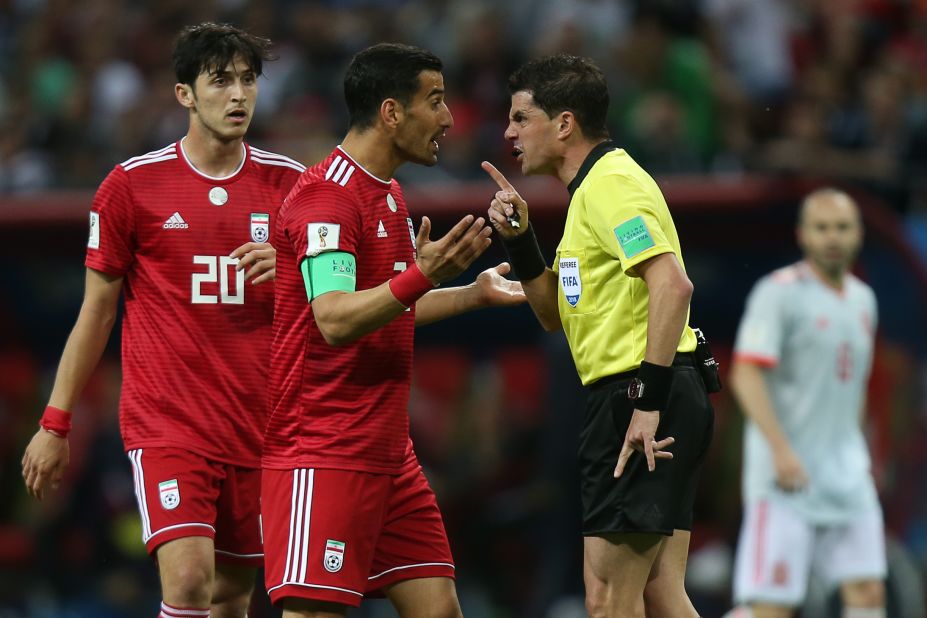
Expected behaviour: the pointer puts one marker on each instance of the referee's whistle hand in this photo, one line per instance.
(508, 211)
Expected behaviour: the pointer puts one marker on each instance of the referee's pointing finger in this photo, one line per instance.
(496, 175)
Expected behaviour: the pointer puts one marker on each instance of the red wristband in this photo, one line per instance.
(56, 421)
(410, 285)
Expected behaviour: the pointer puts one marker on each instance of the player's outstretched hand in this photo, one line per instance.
(641, 437)
(261, 257)
(495, 290)
(508, 212)
(443, 259)
(44, 462)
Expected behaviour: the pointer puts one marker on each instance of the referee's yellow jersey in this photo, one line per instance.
(616, 220)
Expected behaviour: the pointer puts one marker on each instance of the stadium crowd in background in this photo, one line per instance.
(832, 88)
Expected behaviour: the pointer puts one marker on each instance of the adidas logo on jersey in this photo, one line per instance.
(381, 231)
(175, 222)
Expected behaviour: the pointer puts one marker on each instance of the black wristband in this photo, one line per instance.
(525, 255)
(650, 390)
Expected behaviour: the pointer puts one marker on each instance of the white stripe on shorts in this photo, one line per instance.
(297, 552)
(138, 474)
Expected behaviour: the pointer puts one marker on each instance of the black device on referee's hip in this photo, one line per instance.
(705, 362)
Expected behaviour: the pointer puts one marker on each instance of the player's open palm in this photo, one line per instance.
(44, 463)
(495, 290)
(446, 258)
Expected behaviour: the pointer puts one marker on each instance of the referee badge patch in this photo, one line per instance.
(570, 281)
(633, 236)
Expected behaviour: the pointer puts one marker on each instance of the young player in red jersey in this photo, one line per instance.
(169, 229)
(346, 508)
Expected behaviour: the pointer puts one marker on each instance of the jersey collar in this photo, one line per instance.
(594, 155)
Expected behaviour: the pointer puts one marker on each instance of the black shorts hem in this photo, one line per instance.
(613, 531)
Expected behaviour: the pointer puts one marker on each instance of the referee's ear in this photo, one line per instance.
(566, 125)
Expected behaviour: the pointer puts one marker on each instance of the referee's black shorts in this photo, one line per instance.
(642, 501)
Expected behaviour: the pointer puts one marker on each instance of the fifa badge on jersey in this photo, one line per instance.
(334, 556)
(570, 281)
(260, 226)
(170, 494)
(93, 242)
(322, 237)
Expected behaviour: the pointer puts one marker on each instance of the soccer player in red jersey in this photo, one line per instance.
(346, 508)
(168, 229)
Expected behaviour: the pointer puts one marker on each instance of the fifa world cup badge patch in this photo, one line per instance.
(322, 237)
(170, 494)
(93, 241)
(334, 556)
(260, 226)
(570, 281)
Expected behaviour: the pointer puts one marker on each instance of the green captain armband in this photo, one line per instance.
(334, 271)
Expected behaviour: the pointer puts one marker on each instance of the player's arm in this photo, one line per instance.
(490, 289)
(669, 291)
(47, 454)
(748, 381)
(344, 315)
(508, 213)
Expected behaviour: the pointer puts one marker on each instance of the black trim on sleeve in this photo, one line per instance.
(594, 155)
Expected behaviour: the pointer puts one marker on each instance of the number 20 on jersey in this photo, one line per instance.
(220, 269)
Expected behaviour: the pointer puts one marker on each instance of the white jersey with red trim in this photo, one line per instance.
(816, 343)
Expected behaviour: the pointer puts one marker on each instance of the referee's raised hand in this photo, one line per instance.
(508, 211)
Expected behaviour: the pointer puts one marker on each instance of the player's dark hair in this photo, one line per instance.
(210, 47)
(566, 83)
(384, 71)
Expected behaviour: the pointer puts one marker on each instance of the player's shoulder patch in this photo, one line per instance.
(322, 237)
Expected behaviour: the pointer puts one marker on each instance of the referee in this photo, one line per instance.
(619, 290)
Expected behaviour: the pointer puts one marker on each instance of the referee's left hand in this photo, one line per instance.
(641, 437)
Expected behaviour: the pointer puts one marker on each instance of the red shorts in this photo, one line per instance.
(181, 494)
(338, 535)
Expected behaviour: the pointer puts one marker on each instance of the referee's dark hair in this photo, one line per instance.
(211, 47)
(384, 71)
(566, 83)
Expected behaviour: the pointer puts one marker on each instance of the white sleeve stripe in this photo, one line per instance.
(166, 157)
(331, 168)
(337, 176)
(344, 181)
(147, 155)
(290, 164)
(273, 155)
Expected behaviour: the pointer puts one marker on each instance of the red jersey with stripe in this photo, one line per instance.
(340, 407)
(195, 335)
